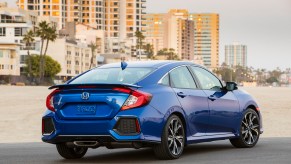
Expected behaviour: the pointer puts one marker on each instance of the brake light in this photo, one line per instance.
(135, 99)
(50, 100)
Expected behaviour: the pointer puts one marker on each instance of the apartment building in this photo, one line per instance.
(185, 39)
(119, 18)
(9, 59)
(90, 12)
(73, 56)
(236, 54)
(88, 35)
(172, 27)
(14, 23)
(206, 38)
(122, 19)
(154, 31)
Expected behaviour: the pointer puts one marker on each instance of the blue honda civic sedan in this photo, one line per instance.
(165, 105)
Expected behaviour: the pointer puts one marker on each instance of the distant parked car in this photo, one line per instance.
(165, 105)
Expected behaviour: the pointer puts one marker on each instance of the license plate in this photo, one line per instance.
(86, 110)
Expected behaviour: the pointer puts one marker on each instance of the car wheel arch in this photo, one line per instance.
(252, 106)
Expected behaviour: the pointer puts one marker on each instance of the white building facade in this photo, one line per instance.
(74, 57)
(236, 55)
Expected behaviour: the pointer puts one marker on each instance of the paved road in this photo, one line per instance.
(268, 150)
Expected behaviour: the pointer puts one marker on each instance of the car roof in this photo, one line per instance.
(150, 64)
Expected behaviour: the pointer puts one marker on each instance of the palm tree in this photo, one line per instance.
(41, 32)
(149, 50)
(28, 38)
(51, 35)
(93, 47)
(140, 37)
(171, 54)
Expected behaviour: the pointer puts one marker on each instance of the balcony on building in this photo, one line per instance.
(6, 18)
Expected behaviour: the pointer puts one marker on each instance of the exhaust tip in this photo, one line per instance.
(86, 143)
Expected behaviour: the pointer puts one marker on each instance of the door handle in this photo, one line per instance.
(212, 97)
(181, 94)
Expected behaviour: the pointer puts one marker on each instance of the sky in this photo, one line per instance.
(263, 25)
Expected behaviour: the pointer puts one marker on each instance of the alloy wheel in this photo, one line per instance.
(250, 128)
(175, 137)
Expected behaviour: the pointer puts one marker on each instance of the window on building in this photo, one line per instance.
(1, 53)
(2, 31)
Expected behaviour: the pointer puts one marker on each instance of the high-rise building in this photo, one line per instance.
(185, 39)
(119, 18)
(122, 19)
(90, 12)
(173, 27)
(206, 38)
(236, 55)
(181, 28)
(154, 31)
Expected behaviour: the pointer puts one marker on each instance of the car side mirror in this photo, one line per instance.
(231, 86)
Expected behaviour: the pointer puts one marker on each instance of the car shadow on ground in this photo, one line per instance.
(146, 155)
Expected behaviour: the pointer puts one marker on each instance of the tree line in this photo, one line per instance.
(249, 74)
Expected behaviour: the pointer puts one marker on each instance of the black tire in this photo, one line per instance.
(171, 146)
(249, 130)
(71, 153)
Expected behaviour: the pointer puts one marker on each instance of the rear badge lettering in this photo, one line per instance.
(87, 110)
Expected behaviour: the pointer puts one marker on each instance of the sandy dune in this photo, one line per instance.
(21, 109)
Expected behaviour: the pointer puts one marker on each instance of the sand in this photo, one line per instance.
(21, 109)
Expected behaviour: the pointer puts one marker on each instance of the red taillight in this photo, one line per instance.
(135, 99)
(50, 100)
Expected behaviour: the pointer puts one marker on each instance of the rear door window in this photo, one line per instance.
(182, 78)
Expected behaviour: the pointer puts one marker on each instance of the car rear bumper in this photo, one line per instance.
(72, 138)
(105, 130)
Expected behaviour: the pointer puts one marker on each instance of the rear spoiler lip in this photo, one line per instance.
(107, 85)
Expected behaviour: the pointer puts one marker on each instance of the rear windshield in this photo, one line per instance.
(112, 76)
